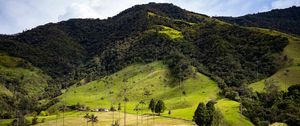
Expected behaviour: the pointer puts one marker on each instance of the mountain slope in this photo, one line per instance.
(79, 51)
(284, 20)
(290, 74)
(153, 78)
(19, 80)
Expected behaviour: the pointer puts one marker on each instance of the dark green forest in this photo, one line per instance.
(284, 20)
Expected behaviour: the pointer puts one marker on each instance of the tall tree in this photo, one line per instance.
(160, 107)
(152, 105)
(211, 111)
(201, 115)
(87, 117)
(119, 110)
(93, 119)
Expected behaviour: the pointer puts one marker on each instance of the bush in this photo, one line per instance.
(34, 120)
(44, 113)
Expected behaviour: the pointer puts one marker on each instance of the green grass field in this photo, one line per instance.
(154, 78)
(230, 110)
(106, 119)
(292, 51)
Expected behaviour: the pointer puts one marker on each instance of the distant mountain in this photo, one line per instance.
(284, 20)
(81, 50)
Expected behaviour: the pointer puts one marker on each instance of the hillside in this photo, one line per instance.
(284, 20)
(171, 53)
(290, 74)
(19, 80)
(153, 78)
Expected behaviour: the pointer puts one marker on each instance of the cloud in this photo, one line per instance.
(284, 3)
(99, 8)
(76, 10)
(18, 15)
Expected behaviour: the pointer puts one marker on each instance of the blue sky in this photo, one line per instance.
(19, 15)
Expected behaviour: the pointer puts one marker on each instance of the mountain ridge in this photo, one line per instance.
(284, 20)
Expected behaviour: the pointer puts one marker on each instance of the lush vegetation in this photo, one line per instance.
(144, 82)
(273, 106)
(84, 64)
(285, 20)
(290, 74)
(204, 114)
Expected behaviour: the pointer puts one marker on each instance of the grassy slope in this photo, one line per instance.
(292, 51)
(155, 78)
(172, 33)
(231, 112)
(30, 78)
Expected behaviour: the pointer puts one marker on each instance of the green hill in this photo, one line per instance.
(18, 75)
(90, 61)
(153, 78)
(290, 74)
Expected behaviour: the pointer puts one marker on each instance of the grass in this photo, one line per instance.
(30, 78)
(292, 51)
(231, 112)
(105, 119)
(151, 14)
(293, 77)
(155, 78)
(170, 32)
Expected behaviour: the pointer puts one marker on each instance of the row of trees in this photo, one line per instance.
(204, 114)
(157, 107)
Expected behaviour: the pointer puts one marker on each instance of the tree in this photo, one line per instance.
(93, 119)
(201, 115)
(142, 103)
(87, 117)
(152, 105)
(160, 107)
(119, 110)
(211, 111)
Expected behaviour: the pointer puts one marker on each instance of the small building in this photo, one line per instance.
(102, 110)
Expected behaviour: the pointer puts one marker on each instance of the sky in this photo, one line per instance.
(19, 15)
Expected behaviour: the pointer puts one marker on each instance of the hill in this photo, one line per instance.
(192, 48)
(288, 75)
(155, 79)
(284, 20)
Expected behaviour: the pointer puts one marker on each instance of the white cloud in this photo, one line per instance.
(77, 10)
(285, 3)
(18, 15)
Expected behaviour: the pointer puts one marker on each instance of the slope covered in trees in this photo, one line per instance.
(284, 20)
(78, 51)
